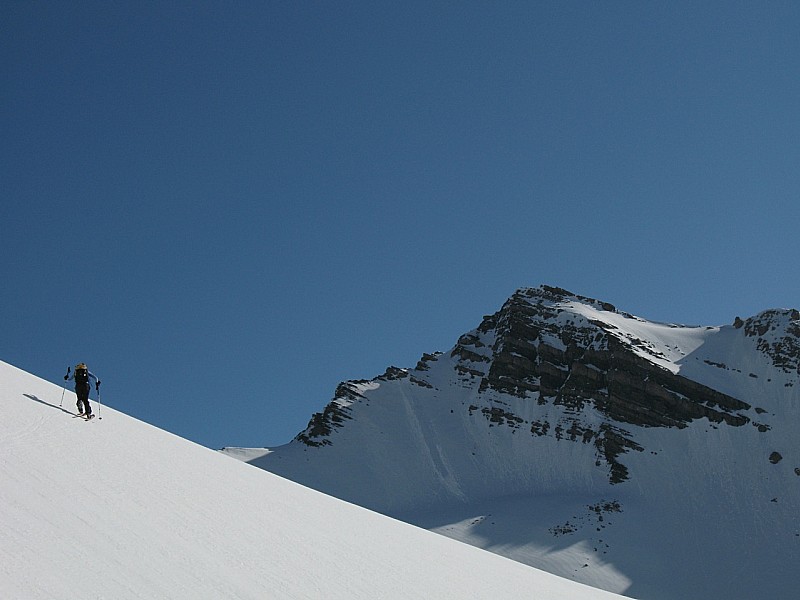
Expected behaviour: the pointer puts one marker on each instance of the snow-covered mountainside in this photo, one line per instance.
(650, 459)
(116, 508)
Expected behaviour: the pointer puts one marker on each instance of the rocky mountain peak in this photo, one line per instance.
(600, 371)
(556, 348)
(776, 333)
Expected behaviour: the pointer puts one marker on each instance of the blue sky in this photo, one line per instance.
(227, 208)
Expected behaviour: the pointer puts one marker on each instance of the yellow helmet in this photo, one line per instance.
(81, 366)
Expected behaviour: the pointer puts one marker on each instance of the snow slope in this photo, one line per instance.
(708, 510)
(118, 509)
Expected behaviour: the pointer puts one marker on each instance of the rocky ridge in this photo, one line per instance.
(557, 349)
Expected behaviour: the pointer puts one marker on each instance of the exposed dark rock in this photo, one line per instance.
(501, 417)
(420, 382)
(775, 458)
(469, 371)
(606, 506)
(393, 373)
(514, 353)
(595, 516)
(423, 365)
(540, 427)
(613, 442)
(716, 364)
(465, 353)
(578, 433)
(783, 344)
(564, 529)
(642, 393)
(333, 415)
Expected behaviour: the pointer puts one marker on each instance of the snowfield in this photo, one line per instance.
(117, 509)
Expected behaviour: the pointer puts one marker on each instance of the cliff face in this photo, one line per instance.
(543, 352)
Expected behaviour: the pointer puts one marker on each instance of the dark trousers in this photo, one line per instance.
(83, 399)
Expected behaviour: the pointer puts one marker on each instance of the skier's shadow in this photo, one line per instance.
(40, 401)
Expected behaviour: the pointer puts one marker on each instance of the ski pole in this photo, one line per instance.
(65, 387)
(97, 387)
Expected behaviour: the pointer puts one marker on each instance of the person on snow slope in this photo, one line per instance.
(82, 375)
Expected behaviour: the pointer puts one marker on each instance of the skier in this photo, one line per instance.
(82, 387)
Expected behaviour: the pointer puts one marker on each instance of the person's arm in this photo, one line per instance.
(96, 380)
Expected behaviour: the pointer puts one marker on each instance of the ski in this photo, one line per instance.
(84, 417)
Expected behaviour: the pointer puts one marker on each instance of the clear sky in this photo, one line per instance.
(226, 208)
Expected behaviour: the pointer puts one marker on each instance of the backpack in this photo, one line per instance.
(81, 376)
